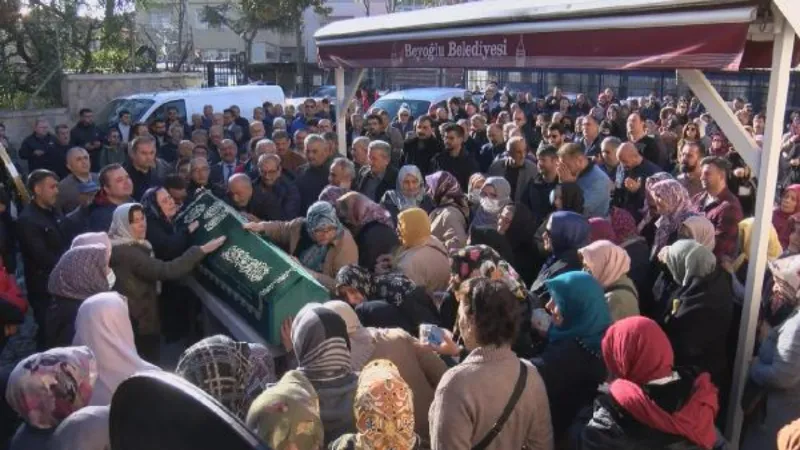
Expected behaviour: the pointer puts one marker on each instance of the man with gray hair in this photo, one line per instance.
(379, 176)
(342, 174)
(515, 167)
(608, 161)
(80, 178)
(272, 181)
(359, 152)
(199, 172)
(313, 176)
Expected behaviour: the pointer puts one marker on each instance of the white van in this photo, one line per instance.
(151, 105)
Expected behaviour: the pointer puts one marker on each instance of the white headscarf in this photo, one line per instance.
(701, 230)
(120, 230)
(103, 325)
(362, 346)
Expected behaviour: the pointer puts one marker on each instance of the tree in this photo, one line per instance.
(243, 17)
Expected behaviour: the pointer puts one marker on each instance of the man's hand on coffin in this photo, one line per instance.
(255, 227)
(250, 217)
(193, 226)
(286, 333)
(213, 245)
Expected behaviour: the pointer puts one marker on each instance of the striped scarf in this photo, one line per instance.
(321, 343)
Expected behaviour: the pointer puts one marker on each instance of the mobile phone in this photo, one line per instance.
(431, 334)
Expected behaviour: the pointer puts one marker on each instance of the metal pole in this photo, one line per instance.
(767, 176)
(341, 111)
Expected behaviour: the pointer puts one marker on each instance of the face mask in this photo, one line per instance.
(111, 277)
(490, 205)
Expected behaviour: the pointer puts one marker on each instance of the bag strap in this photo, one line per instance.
(522, 380)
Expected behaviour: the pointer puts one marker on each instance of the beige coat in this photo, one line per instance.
(420, 368)
(472, 395)
(343, 252)
(449, 225)
(427, 265)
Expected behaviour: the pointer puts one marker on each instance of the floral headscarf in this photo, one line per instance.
(445, 190)
(46, 387)
(331, 194)
(678, 207)
(482, 261)
(356, 210)
(288, 413)
(648, 213)
(624, 224)
(401, 200)
(384, 409)
(223, 368)
(786, 273)
(319, 215)
(393, 287)
(80, 273)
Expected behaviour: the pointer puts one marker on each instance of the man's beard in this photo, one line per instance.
(685, 168)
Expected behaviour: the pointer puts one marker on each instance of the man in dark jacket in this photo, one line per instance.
(223, 170)
(495, 147)
(41, 242)
(647, 145)
(116, 188)
(378, 177)
(313, 177)
(537, 195)
(455, 160)
(271, 181)
(199, 180)
(632, 171)
(38, 148)
(85, 134)
(421, 149)
(141, 166)
(256, 206)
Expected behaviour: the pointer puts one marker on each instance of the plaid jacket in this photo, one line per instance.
(725, 213)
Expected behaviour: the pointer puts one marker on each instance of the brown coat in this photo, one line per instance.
(343, 252)
(138, 274)
(449, 225)
(472, 395)
(420, 368)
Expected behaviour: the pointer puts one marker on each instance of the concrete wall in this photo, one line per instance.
(19, 124)
(95, 90)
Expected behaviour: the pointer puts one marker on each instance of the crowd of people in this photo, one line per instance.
(518, 272)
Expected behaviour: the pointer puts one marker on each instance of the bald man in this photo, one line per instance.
(632, 171)
(254, 207)
(79, 167)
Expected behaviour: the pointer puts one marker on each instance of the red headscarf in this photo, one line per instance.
(780, 219)
(636, 351)
(601, 229)
(623, 223)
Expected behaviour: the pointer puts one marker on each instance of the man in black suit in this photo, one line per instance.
(378, 177)
(223, 170)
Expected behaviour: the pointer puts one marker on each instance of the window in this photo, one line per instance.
(160, 19)
(161, 111)
(514, 77)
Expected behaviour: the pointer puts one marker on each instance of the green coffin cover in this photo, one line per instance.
(254, 277)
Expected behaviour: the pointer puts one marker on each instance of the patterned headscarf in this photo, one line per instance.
(288, 413)
(624, 224)
(582, 304)
(321, 343)
(687, 259)
(362, 345)
(606, 261)
(483, 261)
(648, 213)
(120, 230)
(678, 208)
(489, 209)
(393, 287)
(356, 210)
(445, 190)
(414, 227)
(222, 368)
(319, 215)
(384, 409)
(331, 194)
(601, 229)
(92, 238)
(401, 200)
(80, 273)
(45, 388)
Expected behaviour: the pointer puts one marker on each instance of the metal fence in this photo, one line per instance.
(219, 73)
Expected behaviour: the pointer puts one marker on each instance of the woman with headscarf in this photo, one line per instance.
(322, 348)
(495, 194)
(419, 366)
(515, 224)
(568, 197)
(389, 300)
(471, 397)
(700, 229)
(228, 371)
(103, 324)
(409, 193)
(673, 207)
(331, 194)
(80, 273)
(601, 229)
(286, 415)
(371, 226)
(609, 265)
(451, 210)
(647, 225)
(421, 256)
(697, 315)
(649, 403)
(45, 388)
(565, 233)
(788, 207)
(384, 411)
(475, 184)
(319, 241)
(777, 364)
(740, 264)
(138, 273)
(570, 364)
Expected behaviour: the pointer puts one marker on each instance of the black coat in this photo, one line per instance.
(461, 167)
(633, 201)
(387, 183)
(168, 242)
(311, 180)
(416, 308)
(42, 242)
(420, 152)
(373, 240)
(568, 261)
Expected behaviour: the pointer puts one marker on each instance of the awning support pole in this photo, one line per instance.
(744, 144)
(343, 98)
(791, 13)
(767, 180)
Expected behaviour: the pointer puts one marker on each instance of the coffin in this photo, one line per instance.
(257, 279)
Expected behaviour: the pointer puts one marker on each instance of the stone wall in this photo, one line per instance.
(95, 90)
(19, 124)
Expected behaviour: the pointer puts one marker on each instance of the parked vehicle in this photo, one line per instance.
(417, 100)
(145, 107)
